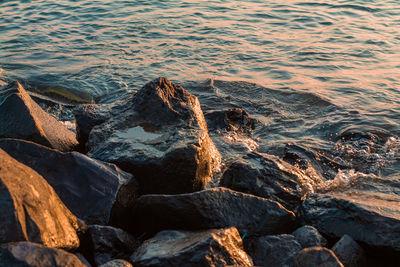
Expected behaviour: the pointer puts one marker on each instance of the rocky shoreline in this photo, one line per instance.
(146, 181)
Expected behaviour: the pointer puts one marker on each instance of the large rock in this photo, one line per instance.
(349, 252)
(317, 256)
(25, 254)
(89, 188)
(31, 210)
(212, 208)
(162, 138)
(309, 236)
(22, 118)
(220, 247)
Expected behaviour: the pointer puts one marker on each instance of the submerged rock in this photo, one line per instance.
(22, 118)
(31, 210)
(309, 236)
(162, 138)
(88, 187)
(233, 119)
(212, 208)
(349, 252)
(220, 247)
(317, 256)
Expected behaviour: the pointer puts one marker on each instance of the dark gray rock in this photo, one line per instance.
(31, 210)
(275, 250)
(116, 263)
(317, 256)
(83, 259)
(308, 236)
(219, 247)
(111, 243)
(162, 138)
(233, 119)
(22, 118)
(212, 208)
(349, 252)
(88, 187)
(27, 254)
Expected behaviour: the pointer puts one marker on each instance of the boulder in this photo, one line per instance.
(217, 247)
(349, 252)
(88, 187)
(233, 119)
(308, 236)
(317, 256)
(31, 210)
(162, 138)
(116, 263)
(25, 254)
(22, 118)
(211, 208)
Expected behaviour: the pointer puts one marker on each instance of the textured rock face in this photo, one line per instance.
(162, 138)
(349, 252)
(22, 118)
(212, 208)
(31, 210)
(309, 236)
(116, 263)
(317, 256)
(35, 255)
(88, 187)
(220, 247)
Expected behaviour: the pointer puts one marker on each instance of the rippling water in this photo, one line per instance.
(316, 72)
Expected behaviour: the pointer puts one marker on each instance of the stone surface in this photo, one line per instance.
(221, 247)
(212, 208)
(349, 252)
(25, 254)
(116, 263)
(275, 250)
(233, 119)
(22, 118)
(162, 138)
(308, 236)
(88, 187)
(31, 210)
(317, 256)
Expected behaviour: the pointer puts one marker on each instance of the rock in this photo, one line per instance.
(275, 250)
(88, 187)
(31, 210)
(233, 119)
(265, 176)
(217, 247)
(317, 256)
(22, 118)
(111, 243)
(83, 259)
(211, 208)
(36, 255)
(308, 236)
(349, 252)
(116, 263)
(162, 138)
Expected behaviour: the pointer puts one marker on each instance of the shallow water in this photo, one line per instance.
(321, 77)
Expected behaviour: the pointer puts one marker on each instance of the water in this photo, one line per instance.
(321, 77)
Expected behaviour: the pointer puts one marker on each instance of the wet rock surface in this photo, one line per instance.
(31, 210)
(116, 263)
(309, 236)
(23, 118)
(221, 247)
(88, 187)
(349, 252)
(162, 139)
(317, 256)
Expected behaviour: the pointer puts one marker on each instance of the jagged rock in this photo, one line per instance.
(162, 138)
(25, 254)
(309, 236)
(233, 119)
(265, 176)
(317, 256)
(212, 208)
(220, 247)
(31, 210)
(275, 250)
(88, 187)
(22, 118)
(111, 243)
(349, 252)
(116, 263)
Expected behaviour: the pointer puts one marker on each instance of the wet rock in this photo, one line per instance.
(162, 138)
(31, 210)
(275, 250)
(36, 255)
(116, 263)
(233, 119)
(111, 243)
(212, 208)
(22, 118)
(349, 252)
(89, 188)
(83, 259)
(309, 236)
(317, 256)
(219, 247)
